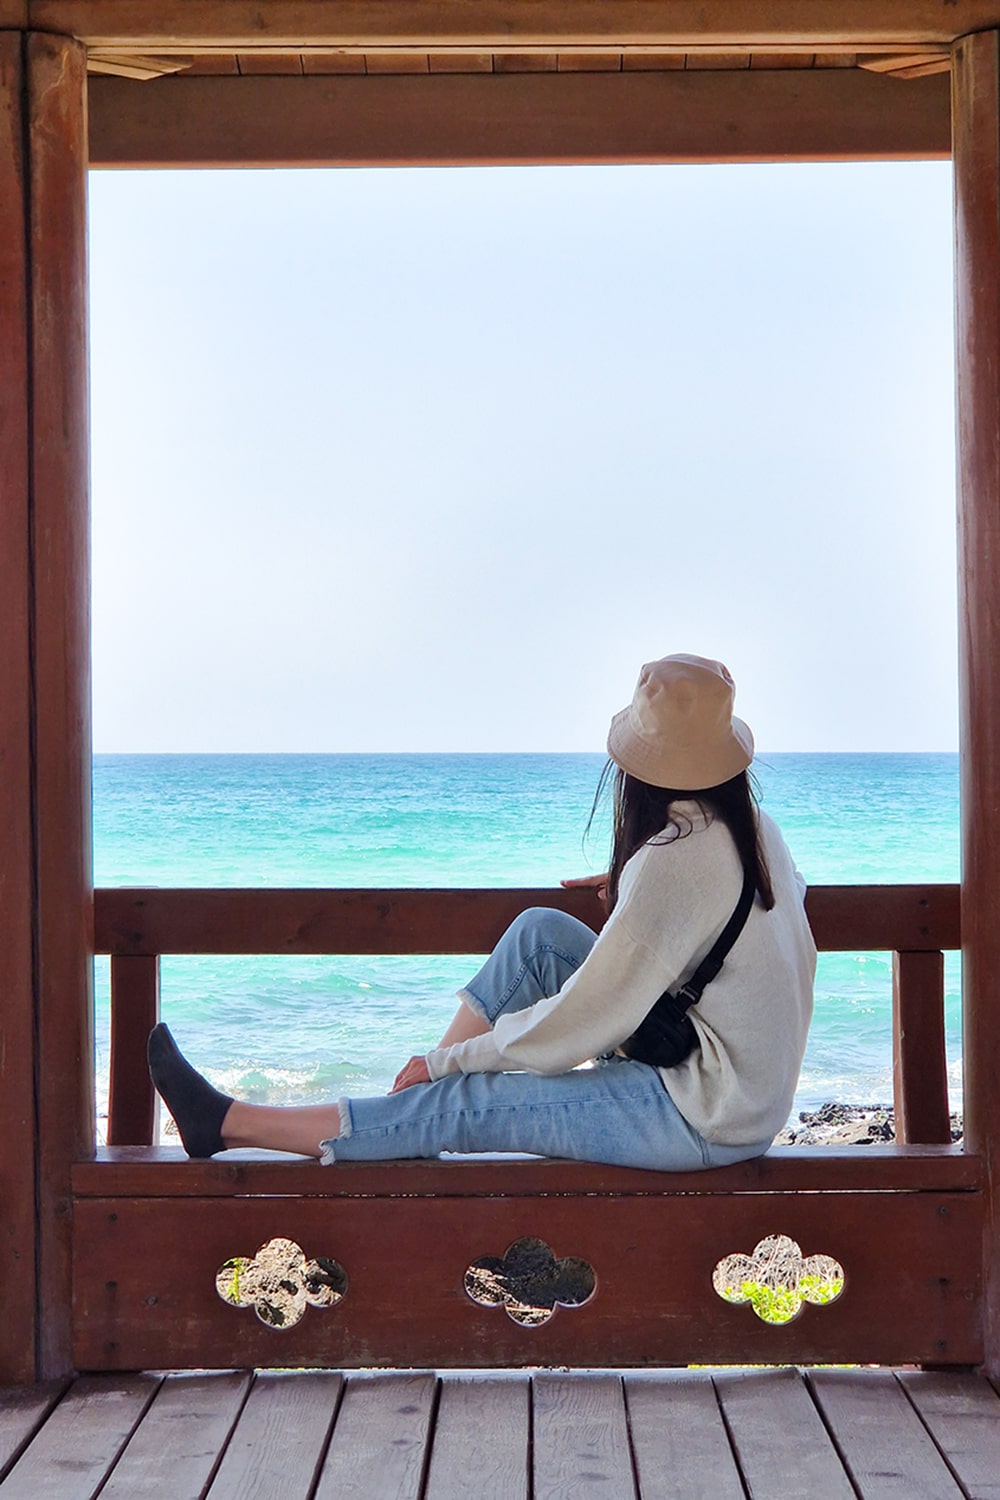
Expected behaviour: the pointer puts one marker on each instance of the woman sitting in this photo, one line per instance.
(674, 1079)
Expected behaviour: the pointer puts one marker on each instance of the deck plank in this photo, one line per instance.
(177, 1445)
(482, 1429)
(73, 1451)
(781, 1444)
(277, 1445)
(884, 1444)
(23, 1409)
(681, 1447)
(581, 1443)
(962, 1413)
(381, 1439)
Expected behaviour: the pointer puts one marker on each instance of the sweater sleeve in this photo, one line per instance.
(596, 1009)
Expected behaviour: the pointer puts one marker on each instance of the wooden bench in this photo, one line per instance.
(152, 1230)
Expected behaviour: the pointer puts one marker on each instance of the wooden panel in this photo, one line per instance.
(781, 60)
(396, 62)
(920, 1071)
(653, 62)
(911, 1262)
(278, 1444)
(962, 1414)
(333, 62)
(589, 62)
(461, 62)
(165, 1172)
(383, 1427)
(880, 1437)
(717, 61)
(822, 114)
(83, 1436)
(481, 1428)
(135, 1008)
(779, 1437)
(525, 62)
(176, 1446)
(679, 1440)
(977, 211)
(17, 1046)
(580, 1438)
(149, 920)
(268, 63)
(213, 64)
(57, 85)
(875, 25)
(23, 1409)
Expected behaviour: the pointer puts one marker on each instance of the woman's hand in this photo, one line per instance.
(415, 1071)
(598, 883)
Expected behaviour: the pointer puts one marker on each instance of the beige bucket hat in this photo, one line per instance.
(679, 730)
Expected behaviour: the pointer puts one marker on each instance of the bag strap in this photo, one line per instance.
(690, 993)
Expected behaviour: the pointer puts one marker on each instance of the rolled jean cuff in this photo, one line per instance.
(472, 1002)
(328, 1149)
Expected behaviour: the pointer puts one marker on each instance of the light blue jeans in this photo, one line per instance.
(617, 1111)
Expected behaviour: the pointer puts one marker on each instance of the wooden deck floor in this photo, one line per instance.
(769, 1434)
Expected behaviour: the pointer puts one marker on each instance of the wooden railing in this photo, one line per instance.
(136, 926)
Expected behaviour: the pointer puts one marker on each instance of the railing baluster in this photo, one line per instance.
(135, 1010)
(919, 1069)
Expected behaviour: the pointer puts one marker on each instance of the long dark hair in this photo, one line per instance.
(642, 811)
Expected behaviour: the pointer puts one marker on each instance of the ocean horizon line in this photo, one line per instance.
(760, 756)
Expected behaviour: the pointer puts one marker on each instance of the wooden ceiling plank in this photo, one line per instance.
(717, 60)
(589, 62)
(653, 62)
(397, 62)
(902, 63)
(132, 65)
(270, 64)
(819, 25)
(525, 62)
(781, 60)
(213, 64)
(925, 69)
(808, 115)
(461, 62)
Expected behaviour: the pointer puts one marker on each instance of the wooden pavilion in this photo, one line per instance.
(110, 1257)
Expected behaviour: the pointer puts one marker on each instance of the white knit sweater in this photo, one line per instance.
(675, 897)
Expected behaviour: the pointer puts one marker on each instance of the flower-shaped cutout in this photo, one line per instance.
(776, 1280)
(529, 1283)
(279, 1283)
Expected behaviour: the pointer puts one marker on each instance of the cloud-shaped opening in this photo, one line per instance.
(529, 1283)
(776, 1280)
(279, 1283)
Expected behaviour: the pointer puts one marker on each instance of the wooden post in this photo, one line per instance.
(60, 495)
(135, 1010)
(46, 942)
(17, 1109)
(919, 1061)
(976, 134)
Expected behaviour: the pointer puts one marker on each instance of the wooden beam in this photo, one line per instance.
(17, 1043)
(141, 1305)
(826, 114)
(977, 271)
(57, 147)
(152, 920)
(167, 1172)
(869, 25)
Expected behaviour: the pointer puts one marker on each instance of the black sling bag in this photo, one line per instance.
(667, 1034)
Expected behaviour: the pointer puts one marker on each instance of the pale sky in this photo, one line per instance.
(434, 459)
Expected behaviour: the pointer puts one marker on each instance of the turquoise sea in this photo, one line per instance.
(282, 1030)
